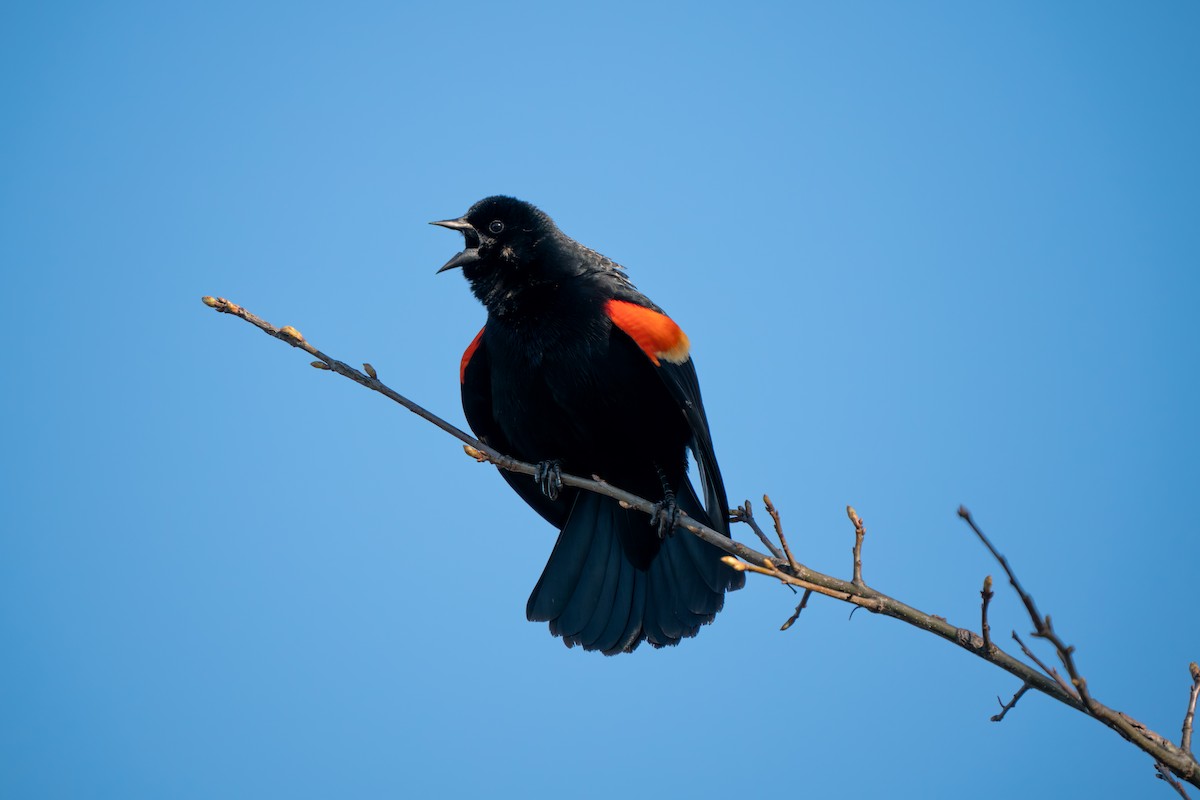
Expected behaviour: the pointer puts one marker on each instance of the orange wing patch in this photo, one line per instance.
(471, 348)
(657, 334)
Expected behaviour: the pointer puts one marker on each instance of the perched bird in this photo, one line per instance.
(577, 371)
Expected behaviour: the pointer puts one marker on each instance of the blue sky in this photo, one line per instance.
(926, 254)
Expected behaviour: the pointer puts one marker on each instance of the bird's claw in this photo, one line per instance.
(666, 514)
(548, 476)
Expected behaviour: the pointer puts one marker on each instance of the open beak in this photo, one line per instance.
(468, 255)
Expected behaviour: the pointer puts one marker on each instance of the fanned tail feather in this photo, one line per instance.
(593, 594)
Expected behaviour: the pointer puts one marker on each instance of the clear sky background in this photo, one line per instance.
(927, 254)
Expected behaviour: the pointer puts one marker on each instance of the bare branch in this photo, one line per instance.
(1185, 741)
(744, 513)
(987, 594)
(803, 602)
(293, 337)
(1164, 774)
(820, 583)
(1025, 598)
(1043, 628)
(1006, 707)
(779, 532)
(1173, 759)
(1178, 760)
(860, 532)
(1053, 673)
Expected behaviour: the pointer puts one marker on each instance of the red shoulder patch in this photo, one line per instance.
(657, 334)
(471, 348)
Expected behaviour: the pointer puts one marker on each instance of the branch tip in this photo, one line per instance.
(1006, 707)
(745, 513)
(987, 594)
(733, 562)
(1185, 741)
(787, 550)
(1164, 774)
(860, 532)
(803, 602)
(209, 301)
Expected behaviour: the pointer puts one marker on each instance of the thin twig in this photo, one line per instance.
(1043, 628)
(293, 337)
(1164, 774)
(803, 602)
(1182, 762)
(1174, 759)
(1053, 673)
(1006, 707)
(768, 569)
(779, 532)
(860, 532)
(744, 513)
(987, 594)
(1185, 741)
(765, 566)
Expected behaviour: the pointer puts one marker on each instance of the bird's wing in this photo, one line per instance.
(475, 381)
(667, 347)
(475, 377)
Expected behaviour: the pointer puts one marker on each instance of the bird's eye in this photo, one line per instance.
(496, 226)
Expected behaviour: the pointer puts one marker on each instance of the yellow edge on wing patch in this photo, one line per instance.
(679, 353)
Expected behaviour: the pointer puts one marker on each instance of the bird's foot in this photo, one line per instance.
(666, 514)
(548, 476)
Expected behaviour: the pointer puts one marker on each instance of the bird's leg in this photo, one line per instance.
(665, 524)
(548, 476)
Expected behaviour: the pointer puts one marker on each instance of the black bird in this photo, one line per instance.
(577, 371)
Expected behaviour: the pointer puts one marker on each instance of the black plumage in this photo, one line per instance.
(575, 368)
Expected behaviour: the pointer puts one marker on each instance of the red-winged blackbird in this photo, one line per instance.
(577, 371)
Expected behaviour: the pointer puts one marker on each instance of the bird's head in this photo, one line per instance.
(515, 255)
(501, 233)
